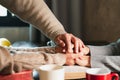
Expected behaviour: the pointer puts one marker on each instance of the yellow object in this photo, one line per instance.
(4, 42)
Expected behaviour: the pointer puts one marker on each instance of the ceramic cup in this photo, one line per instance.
(51, 72)
(100, 74)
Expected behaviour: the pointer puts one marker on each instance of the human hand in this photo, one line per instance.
(83, 61)
(84, 51)
(69, 43)
(80, 58)
(72, 59)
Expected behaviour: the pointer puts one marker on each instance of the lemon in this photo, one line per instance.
(4, 42)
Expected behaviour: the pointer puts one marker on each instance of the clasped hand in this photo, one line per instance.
(75, 50)
(82, 58)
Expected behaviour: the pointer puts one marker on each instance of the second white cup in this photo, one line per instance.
(51, 72)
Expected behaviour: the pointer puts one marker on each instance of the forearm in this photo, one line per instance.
(37, 13)
(6, 62)
(106, 56)
(102, 61)
(109, 62)
(28, 59)
(42, 54)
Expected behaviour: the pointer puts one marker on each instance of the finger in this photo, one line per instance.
(77, 61)
(60, 49)
(77, 56)
(69, 44)
(70, 62)
(70, 55)
(84, 51)
(76, 46)
(60, 42)
(80, 62)
(81, 45)
(70, 59)
(80, 55)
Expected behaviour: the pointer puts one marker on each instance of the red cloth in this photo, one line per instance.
(24, 75)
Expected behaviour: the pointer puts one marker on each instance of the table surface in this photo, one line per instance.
(75, 72)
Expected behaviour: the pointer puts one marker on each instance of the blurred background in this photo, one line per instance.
(96, 22)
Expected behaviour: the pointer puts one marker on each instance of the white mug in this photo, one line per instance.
(51, 72)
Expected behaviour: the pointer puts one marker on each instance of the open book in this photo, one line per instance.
(75, 72)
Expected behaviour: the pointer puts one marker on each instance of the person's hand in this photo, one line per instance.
(72, 59)
(80, 58)
(83, 61)
(69, 43)
(84, 51)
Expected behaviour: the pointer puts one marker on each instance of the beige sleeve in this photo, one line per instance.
(37, 13)
(6, 61)
(32, 60)
(12, 61)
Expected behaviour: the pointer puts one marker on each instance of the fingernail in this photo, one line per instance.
(76, 51)
(64, 50)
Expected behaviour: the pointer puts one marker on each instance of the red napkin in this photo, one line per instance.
(24, 75)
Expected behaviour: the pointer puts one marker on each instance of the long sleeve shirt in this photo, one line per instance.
(14, 60)
(107, 56)
(37, 13)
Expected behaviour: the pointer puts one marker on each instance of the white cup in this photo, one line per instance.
(51, 72)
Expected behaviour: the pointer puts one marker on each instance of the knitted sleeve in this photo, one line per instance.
(37, 13)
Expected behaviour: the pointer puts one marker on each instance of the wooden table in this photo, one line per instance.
(75, 72)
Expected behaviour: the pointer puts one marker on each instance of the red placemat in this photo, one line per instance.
(24, 75)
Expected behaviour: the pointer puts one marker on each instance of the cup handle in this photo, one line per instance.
(115, 75)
